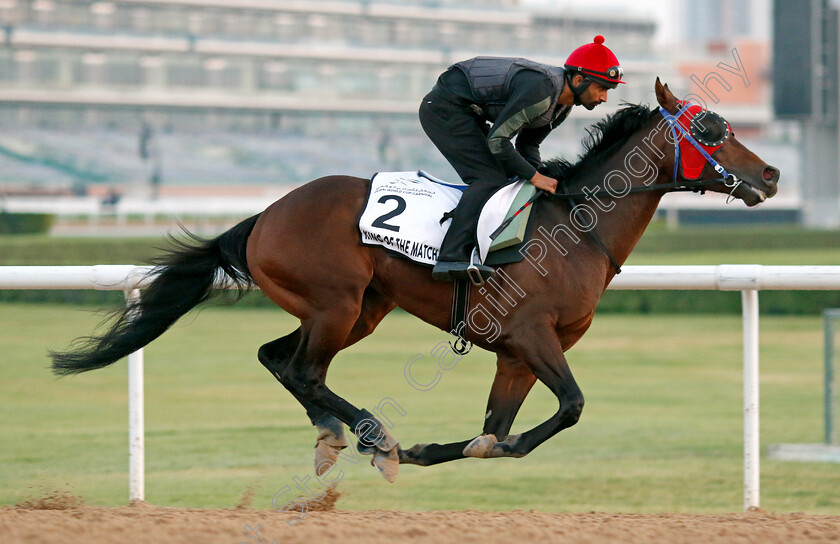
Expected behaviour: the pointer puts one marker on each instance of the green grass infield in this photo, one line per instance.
(662, 430)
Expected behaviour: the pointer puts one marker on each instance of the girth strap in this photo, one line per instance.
(458, 317)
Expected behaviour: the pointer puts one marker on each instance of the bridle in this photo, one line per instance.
(729, 180)
(678, 132)
(697, 186)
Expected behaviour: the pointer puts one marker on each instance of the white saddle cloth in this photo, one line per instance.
(404, 209)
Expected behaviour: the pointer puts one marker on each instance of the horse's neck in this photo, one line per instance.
(622, 220)
(624, 225)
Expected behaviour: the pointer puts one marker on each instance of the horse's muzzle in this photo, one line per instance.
(770, 176)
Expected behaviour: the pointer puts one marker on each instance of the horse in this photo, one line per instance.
(340, 290)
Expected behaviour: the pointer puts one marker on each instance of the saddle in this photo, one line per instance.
(408, 214)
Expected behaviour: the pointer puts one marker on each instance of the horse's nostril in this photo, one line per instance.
(770, 174)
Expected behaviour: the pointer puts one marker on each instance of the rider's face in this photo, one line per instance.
(594, 95)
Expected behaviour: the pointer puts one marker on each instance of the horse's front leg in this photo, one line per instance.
(511, 385)
(543, 354)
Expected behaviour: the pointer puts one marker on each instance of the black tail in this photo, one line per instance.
(183, 278)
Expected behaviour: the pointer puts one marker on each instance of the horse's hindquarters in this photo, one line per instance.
(304, 251)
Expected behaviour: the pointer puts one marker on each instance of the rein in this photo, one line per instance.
(595, 238)
(673, 187)
(698, 186)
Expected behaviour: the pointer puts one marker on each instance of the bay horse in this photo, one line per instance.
(340, 290)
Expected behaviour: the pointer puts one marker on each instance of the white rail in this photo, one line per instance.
(748, 279)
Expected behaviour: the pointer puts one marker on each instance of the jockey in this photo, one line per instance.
(477, 107)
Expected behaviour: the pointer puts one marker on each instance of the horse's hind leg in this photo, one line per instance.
(374, 309)
(275, 356)
(322, 336)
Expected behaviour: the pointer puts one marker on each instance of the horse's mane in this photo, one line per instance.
(604, 138)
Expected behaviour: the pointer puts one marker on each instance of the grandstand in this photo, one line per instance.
(139, 96)
(252, 91)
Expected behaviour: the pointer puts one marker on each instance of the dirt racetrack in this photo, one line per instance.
(146, 524)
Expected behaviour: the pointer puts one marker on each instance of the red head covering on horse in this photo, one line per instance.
(708, 129)
(597, 62)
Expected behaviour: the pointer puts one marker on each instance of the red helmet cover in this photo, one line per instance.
(595, 59)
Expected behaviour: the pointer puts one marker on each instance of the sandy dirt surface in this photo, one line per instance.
(70, 523)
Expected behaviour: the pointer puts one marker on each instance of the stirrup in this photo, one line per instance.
(474, 274)
(473, 270)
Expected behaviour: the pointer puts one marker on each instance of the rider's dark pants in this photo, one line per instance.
(461, 137)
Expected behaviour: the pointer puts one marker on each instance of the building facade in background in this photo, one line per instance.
(229, 87)
(274, 57)
(283, 91)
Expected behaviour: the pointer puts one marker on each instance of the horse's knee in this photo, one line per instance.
(572, 409)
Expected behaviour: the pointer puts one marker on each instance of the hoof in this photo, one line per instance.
(383, 442)
(481, 447)
(388, 464)
(325, 457)
(327, 448)
(487, 446)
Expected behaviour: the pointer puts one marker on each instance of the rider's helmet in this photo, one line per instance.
(595, 62)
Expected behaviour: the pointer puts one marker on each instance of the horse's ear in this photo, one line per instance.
(666, 98)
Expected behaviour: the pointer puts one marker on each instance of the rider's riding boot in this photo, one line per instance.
(455, 259)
